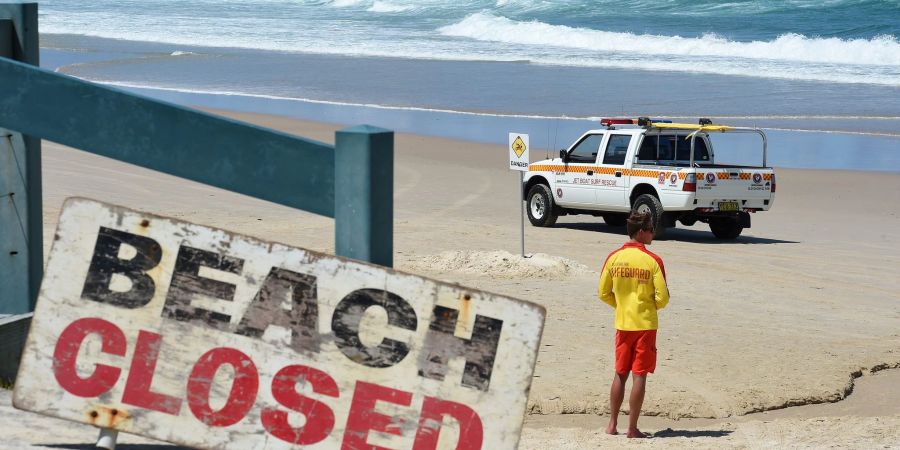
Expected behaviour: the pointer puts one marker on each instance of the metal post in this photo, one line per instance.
(107, 439)
(364, 194)
(14, 291)
(21, 217)
(522, 208)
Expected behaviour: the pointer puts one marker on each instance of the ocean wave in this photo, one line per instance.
(387, 7)
(879, 51)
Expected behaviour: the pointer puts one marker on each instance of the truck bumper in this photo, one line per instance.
(691, 217)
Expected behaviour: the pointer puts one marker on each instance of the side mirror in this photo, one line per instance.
(563, 154)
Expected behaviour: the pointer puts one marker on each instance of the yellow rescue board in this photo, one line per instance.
(692, 126)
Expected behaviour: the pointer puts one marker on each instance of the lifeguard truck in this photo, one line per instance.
(665, 169)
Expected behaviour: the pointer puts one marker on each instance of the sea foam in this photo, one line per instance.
(880, 50)
(388, 7)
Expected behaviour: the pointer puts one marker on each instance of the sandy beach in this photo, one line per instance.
(801, 310)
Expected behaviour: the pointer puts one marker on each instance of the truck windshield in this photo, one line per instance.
(657, 148)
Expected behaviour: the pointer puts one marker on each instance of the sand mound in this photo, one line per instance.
(500, 264)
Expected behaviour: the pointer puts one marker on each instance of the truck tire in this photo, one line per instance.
(615, 220)
(725, 228)
(540, 206)
(649, 204)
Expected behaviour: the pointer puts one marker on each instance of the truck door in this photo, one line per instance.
(612, 180)
(574, 185)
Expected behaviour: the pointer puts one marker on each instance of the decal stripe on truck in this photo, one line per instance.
(646, 173)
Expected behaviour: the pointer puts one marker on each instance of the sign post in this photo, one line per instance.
(197, 336)
(518, 160)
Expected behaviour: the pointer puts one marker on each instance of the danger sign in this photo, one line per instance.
(209, 339)
(518, 152)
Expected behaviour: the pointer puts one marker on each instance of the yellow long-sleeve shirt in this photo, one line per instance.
(633, 281)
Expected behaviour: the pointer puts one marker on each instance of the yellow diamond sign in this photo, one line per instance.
(519, 146)
(518, 151)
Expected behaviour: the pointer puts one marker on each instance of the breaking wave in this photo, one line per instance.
(881, 50)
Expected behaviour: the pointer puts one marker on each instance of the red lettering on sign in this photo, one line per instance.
(66, 354)
(319, 417)
(363, 417)
(471, 431)
(243, 388)
(140, 377)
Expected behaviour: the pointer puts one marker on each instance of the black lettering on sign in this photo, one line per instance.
(106, 262)
(187, 282)
(441, 344)
(349, 313)
(303, 317)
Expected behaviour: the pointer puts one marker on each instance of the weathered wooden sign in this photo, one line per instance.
(205, 338)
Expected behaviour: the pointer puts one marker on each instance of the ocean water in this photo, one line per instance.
(849, 41)
(797, 67)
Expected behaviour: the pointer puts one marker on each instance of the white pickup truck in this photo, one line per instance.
(665, 169)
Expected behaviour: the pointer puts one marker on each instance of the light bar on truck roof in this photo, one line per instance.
(607, 122)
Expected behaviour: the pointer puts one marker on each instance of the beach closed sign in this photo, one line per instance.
(209, 339)
(518, 152)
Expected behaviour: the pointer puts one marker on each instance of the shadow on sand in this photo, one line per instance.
(676, 234)
(669, 433)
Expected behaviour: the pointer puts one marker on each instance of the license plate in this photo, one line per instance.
(728, 206)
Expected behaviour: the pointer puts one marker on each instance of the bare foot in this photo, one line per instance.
(635, 433)
(611, 429)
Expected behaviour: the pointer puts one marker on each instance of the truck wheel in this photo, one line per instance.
(725, 228)
(540, 206)
(649, 204)
(615, 220)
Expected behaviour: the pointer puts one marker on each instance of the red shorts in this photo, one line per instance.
(635, 352)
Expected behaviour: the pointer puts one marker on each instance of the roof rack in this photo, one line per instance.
(640, 121)
(703, 125)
